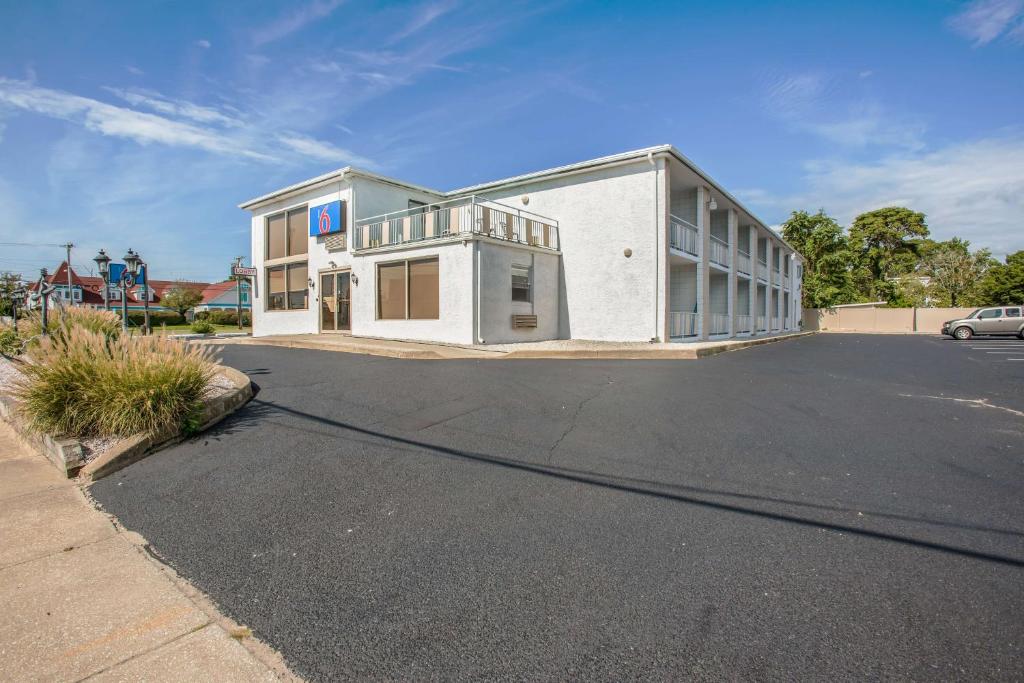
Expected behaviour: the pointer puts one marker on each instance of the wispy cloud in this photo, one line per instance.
(205, 44)
(424, 16)
(134, 70)
(973, 189)
(321, 150)
(289, 24)
(982, 21)
(823, 105)
(154, 101)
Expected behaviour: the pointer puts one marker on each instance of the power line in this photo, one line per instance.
(29, 244)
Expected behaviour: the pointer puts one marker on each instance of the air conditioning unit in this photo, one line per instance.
(521, 321)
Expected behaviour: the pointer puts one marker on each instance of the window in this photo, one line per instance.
(287, 234)
(1012, 312)
(408, 290)
(520, 283)
(990, 313)
(287, 237)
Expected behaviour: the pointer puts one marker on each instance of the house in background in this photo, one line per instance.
(223, 296)
(639, 246)
(87, 290)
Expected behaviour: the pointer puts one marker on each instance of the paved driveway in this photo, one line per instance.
(835, 506)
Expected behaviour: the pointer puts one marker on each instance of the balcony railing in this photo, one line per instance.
(785, 280)
(776, 323)
(762, 270)
(718, 251)
(776, 276)
(743, 262)
(719, 323)
(684, 236)
(762, 324)
(743, 323)
(463, 216)
(682, 324)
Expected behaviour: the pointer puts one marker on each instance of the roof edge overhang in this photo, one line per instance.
(333, 177)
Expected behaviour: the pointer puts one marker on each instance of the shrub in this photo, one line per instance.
(224, 317)
(10, 342)
(202, 327)
(60, 322)
(156, 318)
(96, 386)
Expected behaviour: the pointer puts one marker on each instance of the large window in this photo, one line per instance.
(287, 239)
(287, 287)
(408, 290)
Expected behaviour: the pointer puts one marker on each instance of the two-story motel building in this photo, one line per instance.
(638, 246)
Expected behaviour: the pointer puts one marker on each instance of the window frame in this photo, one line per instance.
(288, 261)
(529, 284)
(287, 301)
(998, 314)
(407, 262)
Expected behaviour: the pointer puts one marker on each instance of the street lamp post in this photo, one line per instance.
(103, 263)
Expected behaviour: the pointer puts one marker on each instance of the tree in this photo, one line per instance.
(181, 298)
(820, 240)
(1003, 283)
(885, 243)
(8, 283)
(955, 272)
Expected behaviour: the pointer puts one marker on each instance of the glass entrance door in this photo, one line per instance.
(335, 302)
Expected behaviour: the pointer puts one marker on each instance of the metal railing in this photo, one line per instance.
(718, 251)
(761, 324)
(684, 236)
(762, 270)
(719, 323)
(743, 323)
(776, 323)
(785, 280)
(471, 215)
(743, 262)
(776, 276)
(682, 324)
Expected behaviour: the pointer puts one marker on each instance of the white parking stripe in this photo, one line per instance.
(1008, 353)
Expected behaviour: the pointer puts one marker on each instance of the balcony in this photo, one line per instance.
(465, 216)
(762, 324)
(776, 276)
(718, 251)
(684, 236)
(743, 323)
(719, 323)
(785, 280)
(682, 324)
(743, 262)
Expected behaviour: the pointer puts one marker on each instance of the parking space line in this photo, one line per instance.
(1005, 352)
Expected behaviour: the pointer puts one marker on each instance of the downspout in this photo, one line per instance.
(657, 250)
(479, 291)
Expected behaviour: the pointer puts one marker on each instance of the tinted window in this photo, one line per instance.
(1012, 312)
(990, 313)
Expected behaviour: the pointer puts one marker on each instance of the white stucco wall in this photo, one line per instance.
(604, 294)
(496, 305)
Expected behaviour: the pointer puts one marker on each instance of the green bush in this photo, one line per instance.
(91, 385)
(202, 327)
(156, 318)
(224, 317)
(10, 342)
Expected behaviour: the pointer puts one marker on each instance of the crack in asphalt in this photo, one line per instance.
(575, 416)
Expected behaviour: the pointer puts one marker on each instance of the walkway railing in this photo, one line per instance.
(743, 323)
(776, 277)
(762, 270)
(719, 323)
(761, 324)
(719, 251)
(462, 216)
(743, 262)
(682, 324)
(684, 236)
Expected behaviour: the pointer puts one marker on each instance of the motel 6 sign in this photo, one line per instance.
(327, 218)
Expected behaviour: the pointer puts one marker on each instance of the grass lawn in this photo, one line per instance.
(187, 329)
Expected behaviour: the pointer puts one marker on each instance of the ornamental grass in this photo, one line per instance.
(61, 321)
(83, 383)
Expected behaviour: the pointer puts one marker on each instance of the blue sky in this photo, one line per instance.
(144, 124)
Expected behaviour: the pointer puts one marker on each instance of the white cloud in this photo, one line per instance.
(179, 108)
(134, 70)
(821, 104)
(982, 21)
(107, 119)
(424, 16)
(205, 44)
(287, 25)
(324, 151)
(974, 190)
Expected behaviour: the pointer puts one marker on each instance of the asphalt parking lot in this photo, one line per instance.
(837, 506)
(993, 349)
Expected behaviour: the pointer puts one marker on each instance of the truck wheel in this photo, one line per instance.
(963, 333)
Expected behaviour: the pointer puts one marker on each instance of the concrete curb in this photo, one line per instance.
(65, 454)
(418, 354)
(137, 447)
(745, 343)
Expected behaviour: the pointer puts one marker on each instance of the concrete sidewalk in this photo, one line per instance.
(564, 349)
(83, 599)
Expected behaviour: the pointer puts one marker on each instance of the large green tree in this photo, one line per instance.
(885, 243)
(954, 270)
(1004, 282)
(181, 298)
(820, 240)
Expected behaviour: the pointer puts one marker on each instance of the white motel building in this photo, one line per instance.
(638, 246)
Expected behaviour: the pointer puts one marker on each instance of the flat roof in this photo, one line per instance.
(633, 155)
